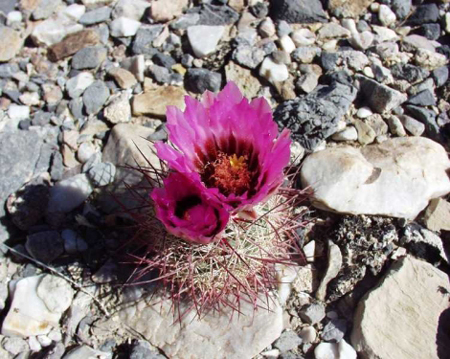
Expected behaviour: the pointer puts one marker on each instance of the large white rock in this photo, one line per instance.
(400, 317)
(272, 71)
(124, 27)
(28, 314)
(396, 178)
(204, 39)
(76, 85)
(53, 30)
(214, 336)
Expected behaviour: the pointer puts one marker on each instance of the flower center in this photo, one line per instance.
(228, 173)
(182, 207)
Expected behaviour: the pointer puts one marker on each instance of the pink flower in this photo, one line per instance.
(229, 146)
(181, 207)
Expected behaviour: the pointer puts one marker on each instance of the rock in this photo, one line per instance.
(73, 243)
(380, 98)
(124, 27)
(366, 133)
(71, 44)
(375, 313)
(53, 30)
(412, 74)
(165, 10)
(17, 167)
(347, 134)
(89, 57)
(45, 8)
(308, 82)
(95, 96)
(332, 30)
(119, 109)
(8, 70)
(286, 44)
(69, 193)
(52, 94)
(85, 151)
(107, 273)
(143, 42)
(250, 332)
(341, 350)
(124, 78)
(413, 126)
(386, 15)
(204, 39)
(315, 117)
(84, 352)
(414, 42)
(102, 174)
(365, 185)
(313, 313)
(123, 149)
(28, 314)
(272, 71)
(427, 117)
(248, 56)
(243, 78)
(76, 85)
(401, 8)
(334, 330)
(131, 9)
(430, 31)
(96, 16)
(142, 349)
(16, 112)
(7, 6)
(424, 14)
(56, 293)
(437, 215)
(95, 3)
(440, 76)
(10, 45)
(154, 102)
(303, 37)
(334, 266)
(348, 8)
(308, 334)
(15, 345)
(214, 15)
(429, 60)
(267, 27)
(28, 205)
(74, 12)
(306, 54)
(287, 341)
(424, 98)
(396, 126)
(45, 246)
(297, 11)
(200, 80)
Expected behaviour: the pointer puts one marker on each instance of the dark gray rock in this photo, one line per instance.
(89, 57)
(102, 174)
(163, 60)
(430, 31)
(260, 10)
(19, 153)
(298, 11)
(76, 107)
(7, 70)
(427, 117)
(424, 14)
(200, 80)
(440, 76)
(313, 313)
(41, 118)
(45, 246)
(160, 74)
(315, 116)
(288, 340)
(96, 16)
(334, 330)
(248, 56)
(142, 350)
(143, 41)
(424, 98)
(410, 73)
(95, 96)
(401, 8)
(379, 97)
(329, 60)
(217, 15)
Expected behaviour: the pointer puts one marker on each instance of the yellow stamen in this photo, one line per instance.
(237, 163)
